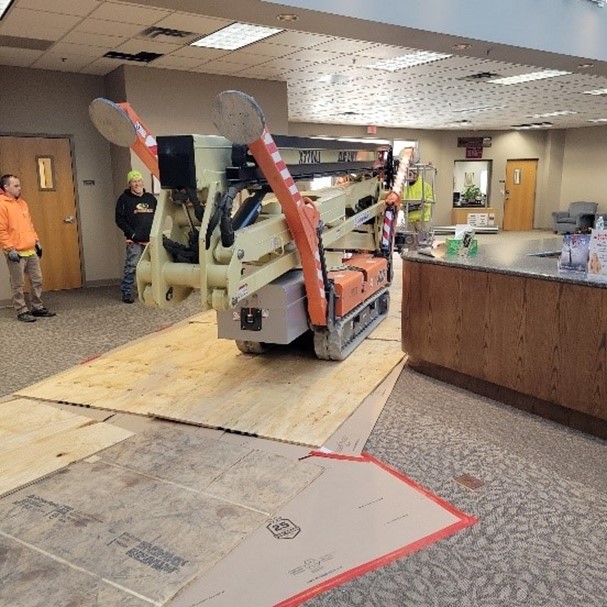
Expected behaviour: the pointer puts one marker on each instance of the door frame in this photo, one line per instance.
(72, 147)
(537, 167)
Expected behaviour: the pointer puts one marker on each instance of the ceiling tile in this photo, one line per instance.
(127, 13)
(201, 53)
(148, 46)
(82, 50)
(67, 63)
(21, 57)
(299, 39)
(100, 40)
(176, 62)
(193, 23)
(65, 7)
(33, 24)
(101, 67)
(111, 28)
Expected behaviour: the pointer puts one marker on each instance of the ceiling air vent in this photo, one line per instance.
(141, 57)
(479, 76)
(155, 32)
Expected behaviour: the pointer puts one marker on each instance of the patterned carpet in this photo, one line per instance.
(542, 510)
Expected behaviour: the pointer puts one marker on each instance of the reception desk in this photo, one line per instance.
(475, 216)
(507, 325)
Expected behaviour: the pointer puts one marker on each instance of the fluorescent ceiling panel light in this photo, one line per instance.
(417, 58)
(529, 77)
(335, 79)
(597, 120)
(553, 114)
(236, 36)
(473, 110)
(4, 4)
(596, 92)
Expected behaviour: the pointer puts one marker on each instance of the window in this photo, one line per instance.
(45, 169)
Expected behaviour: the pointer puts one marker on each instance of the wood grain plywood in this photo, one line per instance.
(185, 373)
(37, 439)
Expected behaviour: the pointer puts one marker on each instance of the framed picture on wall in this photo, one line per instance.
(468, 179)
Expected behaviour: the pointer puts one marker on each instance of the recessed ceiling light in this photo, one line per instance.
(598, 120)
(529, 77)
(287, 17)
(236, 36)
(4, 5)
(552, 114)
(461, 47)
(417, 58)
(532, 125)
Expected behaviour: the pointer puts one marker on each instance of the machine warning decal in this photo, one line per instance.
(242, 292)
(361, 218)
(283, 529)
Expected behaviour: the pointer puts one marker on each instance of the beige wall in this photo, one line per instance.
(584, 175)
(54, 103)
(440, 149)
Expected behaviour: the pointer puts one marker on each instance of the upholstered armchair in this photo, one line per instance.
(579, 217)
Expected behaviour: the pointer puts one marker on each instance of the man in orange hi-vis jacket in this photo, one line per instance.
(19, 241)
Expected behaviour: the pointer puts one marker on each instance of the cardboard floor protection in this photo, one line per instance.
(357, 516)
(186, 374)
(144, 517)
(37, 439)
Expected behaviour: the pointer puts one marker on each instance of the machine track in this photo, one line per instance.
(348, 332)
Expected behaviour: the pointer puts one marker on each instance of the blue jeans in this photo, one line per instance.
(133, 254)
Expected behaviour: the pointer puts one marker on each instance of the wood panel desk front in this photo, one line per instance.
(527, 340)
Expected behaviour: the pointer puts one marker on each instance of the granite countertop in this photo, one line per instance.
(511, 258)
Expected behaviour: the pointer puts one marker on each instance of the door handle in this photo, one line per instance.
(69, 219)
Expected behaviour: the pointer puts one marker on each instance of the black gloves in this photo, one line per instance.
(14, 256)
(38, 249)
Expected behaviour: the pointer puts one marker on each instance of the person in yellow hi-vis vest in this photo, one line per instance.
(417, 200)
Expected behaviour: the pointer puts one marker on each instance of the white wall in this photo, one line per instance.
(515, 22)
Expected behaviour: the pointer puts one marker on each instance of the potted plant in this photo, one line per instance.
(472, 194)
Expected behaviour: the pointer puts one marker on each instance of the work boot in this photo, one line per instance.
(25, 317)
(127, 299)
(43, 313)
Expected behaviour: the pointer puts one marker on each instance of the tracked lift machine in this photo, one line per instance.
(275, 259)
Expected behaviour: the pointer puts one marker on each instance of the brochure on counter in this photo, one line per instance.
(574, 253)
(597, 256)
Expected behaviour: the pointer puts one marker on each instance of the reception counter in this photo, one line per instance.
(477, 216)
(507, 325)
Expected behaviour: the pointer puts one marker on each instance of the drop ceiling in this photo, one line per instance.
(325, 61)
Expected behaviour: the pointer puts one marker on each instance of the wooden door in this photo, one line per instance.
(519, 200)
(44, 167)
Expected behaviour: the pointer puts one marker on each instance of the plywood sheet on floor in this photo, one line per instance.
(314, 543)
(185, 373)
(153, 512)
(37, 439)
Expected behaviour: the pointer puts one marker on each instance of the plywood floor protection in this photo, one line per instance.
(185, 373)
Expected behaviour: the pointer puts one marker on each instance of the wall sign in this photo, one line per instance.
(474, 152)
(474, 142)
